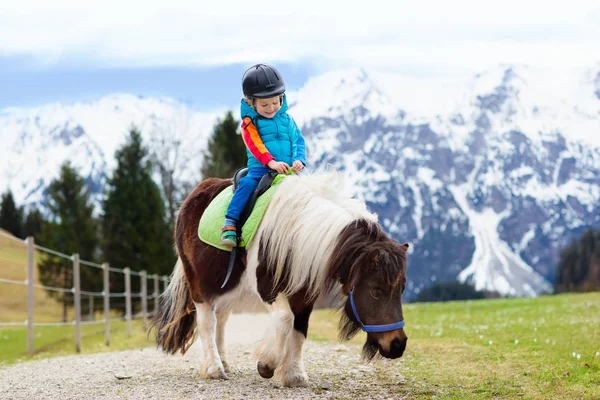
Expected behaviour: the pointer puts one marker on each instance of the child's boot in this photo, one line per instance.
(229, 233)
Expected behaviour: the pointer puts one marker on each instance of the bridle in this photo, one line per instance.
(374, 328)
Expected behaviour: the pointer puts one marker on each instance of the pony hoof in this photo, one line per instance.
(226, 367)
(264, 370)
(219, 374)
(296, 381)
(216, 374)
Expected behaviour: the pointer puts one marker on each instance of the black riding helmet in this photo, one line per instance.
(262, 81)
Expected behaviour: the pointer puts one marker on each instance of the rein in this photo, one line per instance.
(374, 328)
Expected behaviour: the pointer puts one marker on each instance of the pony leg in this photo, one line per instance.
(207, 323)
(222, 317)
(271, 347)
(291, 372)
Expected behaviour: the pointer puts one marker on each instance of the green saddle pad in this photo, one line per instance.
(213, 218)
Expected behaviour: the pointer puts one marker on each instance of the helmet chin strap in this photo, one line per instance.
(374, 328)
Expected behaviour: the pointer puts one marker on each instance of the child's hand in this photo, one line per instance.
(278, 166)
(297, 166)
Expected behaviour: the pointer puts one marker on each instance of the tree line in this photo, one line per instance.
(133, 229)
(579, 264)
(454, 291)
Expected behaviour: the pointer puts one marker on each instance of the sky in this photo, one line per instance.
(196, 51)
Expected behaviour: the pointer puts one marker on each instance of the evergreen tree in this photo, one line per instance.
(569, 261)
(579, 264)
(33, 225)
(226, 152)
(593, 278)
(11, 217)
(587, 245)
(71, 229)
(135, 230)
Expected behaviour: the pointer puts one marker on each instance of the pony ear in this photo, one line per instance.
(405, 246)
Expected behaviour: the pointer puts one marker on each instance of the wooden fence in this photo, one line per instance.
(78, 294)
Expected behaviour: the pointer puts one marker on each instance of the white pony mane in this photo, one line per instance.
(301, 225)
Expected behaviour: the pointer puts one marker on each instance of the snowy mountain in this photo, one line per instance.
(486, 178)
(36, 141)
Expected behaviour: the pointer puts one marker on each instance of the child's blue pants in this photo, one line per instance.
(244, 191)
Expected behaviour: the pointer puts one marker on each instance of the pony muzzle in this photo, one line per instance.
(391, 344)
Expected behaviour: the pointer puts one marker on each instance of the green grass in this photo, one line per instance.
(48, 341)
(60, 341)
(13, 298)
(547, 347)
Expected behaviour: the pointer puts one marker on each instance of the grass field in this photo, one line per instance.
(13, 298)
(542, 348)
(49, 341)
(547, 347)
(60, 341)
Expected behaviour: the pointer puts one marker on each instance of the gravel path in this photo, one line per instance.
(334, 370)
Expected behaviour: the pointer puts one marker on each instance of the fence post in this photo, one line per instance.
(128, 299)
(144, 282)
(91, 306)
(77, 287)
(106, 304)
(156, 294)
(30, 278)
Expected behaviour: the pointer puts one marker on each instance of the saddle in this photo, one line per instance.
(211, 221)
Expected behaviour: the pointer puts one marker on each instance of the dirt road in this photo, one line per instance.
(334, 370)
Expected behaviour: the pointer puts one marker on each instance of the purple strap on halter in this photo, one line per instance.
(374, 328)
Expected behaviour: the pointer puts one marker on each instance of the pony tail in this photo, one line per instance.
(176, 317)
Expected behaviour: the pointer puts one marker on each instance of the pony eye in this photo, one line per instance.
(375, 293)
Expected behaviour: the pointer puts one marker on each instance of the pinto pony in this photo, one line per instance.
(311, 239)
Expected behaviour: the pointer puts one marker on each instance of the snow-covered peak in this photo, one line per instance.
(539, 102)
(36, 141)
(338, 93)
(107, 120)
(536, 101)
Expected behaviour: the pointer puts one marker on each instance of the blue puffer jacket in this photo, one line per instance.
(280, 135)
